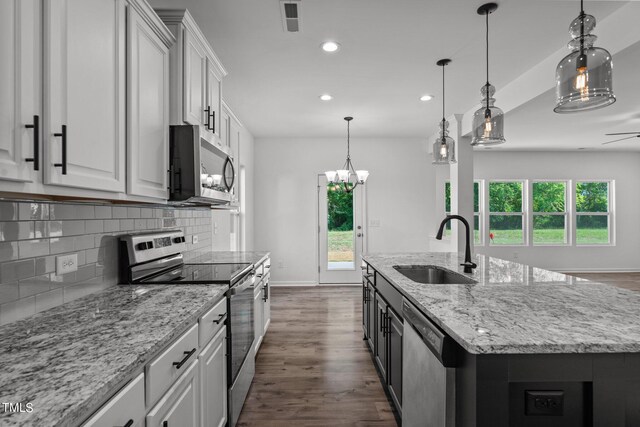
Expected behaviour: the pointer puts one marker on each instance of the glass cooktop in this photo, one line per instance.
(202, 273)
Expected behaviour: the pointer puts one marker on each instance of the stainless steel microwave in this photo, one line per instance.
(201, 170)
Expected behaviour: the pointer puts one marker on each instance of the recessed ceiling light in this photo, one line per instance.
(426, 97)
(330, 46)
(326, 97)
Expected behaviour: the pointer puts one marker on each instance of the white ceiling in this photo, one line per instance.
(387, 60)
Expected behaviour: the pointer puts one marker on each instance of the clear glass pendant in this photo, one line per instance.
(584, 78)
(488, 120)
(444, 146)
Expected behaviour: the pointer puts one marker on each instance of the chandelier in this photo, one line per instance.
(347, 178)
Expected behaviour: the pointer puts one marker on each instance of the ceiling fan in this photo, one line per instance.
(633, 135)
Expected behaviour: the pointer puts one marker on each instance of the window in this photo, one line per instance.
(506, 224)
(593, 217)
(550, 213)
(477, 215)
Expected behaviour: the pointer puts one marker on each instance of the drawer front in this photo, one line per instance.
(167, 368)
(266, 266)
(211, 322)
(127, 406)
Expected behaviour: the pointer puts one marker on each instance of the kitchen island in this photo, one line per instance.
(521, 328)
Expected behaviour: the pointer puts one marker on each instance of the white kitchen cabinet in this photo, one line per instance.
(225, 123)
(84, 94)
(213, 381)
(258, 310)
(180, 406)
(196, 74)
(125, 408)
(20, 104)
(266, 311)
(148, 44)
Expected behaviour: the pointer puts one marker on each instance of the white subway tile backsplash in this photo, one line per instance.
(33, 211)
(34, 285)
(103, 212)
(94, 226)
(49, 299)
(33, 248)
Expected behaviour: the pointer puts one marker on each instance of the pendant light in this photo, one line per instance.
(584, 77)
(444, 147)
(347, 178)
(488, 121)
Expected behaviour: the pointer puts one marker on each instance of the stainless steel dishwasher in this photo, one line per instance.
(428, 372)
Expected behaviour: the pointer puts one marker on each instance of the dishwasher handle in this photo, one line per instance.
(443, 347)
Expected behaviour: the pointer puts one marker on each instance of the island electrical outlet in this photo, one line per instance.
(66, 264)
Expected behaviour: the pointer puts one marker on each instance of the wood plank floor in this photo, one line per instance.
(622, 280)
(313, 368)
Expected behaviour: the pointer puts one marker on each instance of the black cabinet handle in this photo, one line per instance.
(63, 135)
(212, 121)
(36, 143)
(188, 354)
(219, 319)
(128, 424)
(165, 424)
(207, 116)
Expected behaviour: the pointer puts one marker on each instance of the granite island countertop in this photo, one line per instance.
(518, 309)
(68, 360)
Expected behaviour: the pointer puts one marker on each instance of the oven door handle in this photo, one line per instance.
(246, 284)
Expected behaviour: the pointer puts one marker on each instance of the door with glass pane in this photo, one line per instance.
(340, 233)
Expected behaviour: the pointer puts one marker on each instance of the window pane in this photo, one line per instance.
(477, 237)
(549, 230)
(505, 230)
(476, 197)
(340, 240)
(592, 197)
(505, 197)
(447, 197)
(549, 196)
(592, 229)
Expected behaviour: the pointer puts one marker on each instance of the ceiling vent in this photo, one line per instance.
(290, 16)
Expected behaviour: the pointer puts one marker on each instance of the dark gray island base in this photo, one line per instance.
(533, 347)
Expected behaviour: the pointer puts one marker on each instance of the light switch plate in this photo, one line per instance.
(66, 264)
(194, 239)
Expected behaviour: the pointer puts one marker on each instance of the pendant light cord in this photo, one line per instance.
(487, 112)
(443, 94)
(348, 138)
(582, 15)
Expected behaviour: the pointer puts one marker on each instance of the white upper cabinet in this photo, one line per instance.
(20, 105)
(148, 43)
(84, 94)
(196, 74)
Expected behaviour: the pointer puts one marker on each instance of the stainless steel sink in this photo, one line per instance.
(434, 275)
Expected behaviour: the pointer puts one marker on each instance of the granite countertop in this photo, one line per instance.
(255, 258)
(518, 309)
(68, 360)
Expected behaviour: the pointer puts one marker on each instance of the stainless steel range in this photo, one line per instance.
(156, 258)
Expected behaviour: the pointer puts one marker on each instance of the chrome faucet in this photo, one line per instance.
(468, 265)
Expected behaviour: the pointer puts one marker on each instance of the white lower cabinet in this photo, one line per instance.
(126, 408)
(179, 407)
(258, 311)
(213, 381)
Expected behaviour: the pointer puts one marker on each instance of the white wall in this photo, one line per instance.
(623, 168)
(248, 213)
(400, 195)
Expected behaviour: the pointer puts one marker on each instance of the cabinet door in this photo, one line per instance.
(225, 128)
(266, 312)
(84, 92)
(179, 407)
(258, 308)
(394, 340)
(381, 336)
(20, 49)
(213, 98)
(195, 80)
(148, 110)
(213, 382)
(371, 307)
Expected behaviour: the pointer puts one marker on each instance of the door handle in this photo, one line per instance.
(63, 135)
(359, 234)
(36, 143)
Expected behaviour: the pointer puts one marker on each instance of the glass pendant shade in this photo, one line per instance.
(331, 176)
(362, 176)
(444, 146)
(488, 120)
(584, 78)
(343, 175)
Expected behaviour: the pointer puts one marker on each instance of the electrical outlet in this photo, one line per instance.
(194, 239)
(66, 264)
(540, 402)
